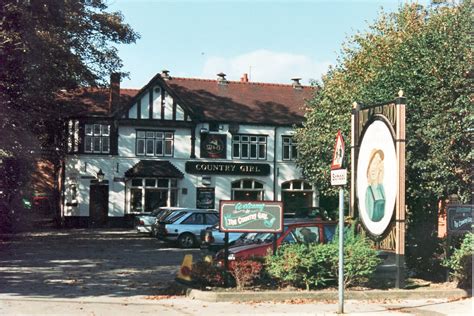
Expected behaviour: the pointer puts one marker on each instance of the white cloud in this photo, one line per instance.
(266, 66)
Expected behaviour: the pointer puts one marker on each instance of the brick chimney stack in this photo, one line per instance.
(245, 78)
(114, 94)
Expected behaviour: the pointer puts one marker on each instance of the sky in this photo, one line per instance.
(270, 40)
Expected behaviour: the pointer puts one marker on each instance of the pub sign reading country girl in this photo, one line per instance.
(377, 178)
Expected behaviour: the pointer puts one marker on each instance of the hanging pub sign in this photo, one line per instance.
(205, 198)
(213, 146)
(377, 178)
(460, 219)
(251, 216)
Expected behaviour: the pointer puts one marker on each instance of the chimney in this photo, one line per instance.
(114, 93)
(221, 79)
(165, 74)
(245, 78)
(296, 83)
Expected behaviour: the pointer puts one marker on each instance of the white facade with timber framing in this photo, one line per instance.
(182, 142)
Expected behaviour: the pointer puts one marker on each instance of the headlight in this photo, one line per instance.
(231, 257)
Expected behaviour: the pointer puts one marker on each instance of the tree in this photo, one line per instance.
(426, 52)
(47, 46)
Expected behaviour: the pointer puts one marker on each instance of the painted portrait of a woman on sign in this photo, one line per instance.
(376, 178)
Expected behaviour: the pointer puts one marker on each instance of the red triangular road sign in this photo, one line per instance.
(338, 156)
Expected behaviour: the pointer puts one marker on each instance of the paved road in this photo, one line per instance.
(117, 272)
(77, 263)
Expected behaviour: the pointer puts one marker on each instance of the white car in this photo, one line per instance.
(185, 225)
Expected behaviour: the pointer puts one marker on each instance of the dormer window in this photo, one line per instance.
(97, 138)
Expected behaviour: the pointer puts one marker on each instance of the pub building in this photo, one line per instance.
(181, 142)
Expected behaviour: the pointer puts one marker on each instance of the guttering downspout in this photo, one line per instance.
(274, 162)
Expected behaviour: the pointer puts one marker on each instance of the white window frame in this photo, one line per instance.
(246, 144)
(97, 134)
(288, 142)
(152, 140)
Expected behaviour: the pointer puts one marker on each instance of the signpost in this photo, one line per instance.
(339, 177)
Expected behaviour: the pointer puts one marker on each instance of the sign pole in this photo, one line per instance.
(341, 252)
(339, 178)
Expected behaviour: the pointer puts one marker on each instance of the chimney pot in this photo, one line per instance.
(221, 78)
(165, 74)
(245, 78)
(114, 92)
(296, 83)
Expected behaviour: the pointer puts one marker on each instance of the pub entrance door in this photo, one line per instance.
(99, 204)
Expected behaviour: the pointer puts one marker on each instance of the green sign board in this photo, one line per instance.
(251, 216)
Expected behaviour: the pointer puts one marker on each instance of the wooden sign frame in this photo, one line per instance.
(393, 112)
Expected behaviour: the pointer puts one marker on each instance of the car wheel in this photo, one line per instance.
(186, 240)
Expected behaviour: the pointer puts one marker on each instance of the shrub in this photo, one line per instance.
(245, 272)
(302, 265)
(460, 262)
(206, 274)
(360, 260)
(316, 265)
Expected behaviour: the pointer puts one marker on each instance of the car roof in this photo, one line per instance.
(187, 209)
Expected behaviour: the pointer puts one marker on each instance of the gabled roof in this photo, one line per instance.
(92, 101)
(206, 100)
(242, 102)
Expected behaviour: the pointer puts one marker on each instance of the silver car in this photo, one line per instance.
(184, 226)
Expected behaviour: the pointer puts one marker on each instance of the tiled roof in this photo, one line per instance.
(207, 100)
(92, 101)
(154, 168)
(239, 102)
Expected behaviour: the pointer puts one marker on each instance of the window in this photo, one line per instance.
(155, 143)
(307, 234)
(97, 138)
(290, 150)
(194, 219)
(149, 194)
(249, 146)
(247, 190)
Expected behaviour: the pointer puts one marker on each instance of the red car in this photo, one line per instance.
(294, 231)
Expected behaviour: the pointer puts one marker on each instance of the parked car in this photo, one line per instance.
(184, 226)
(164, 213)
(144, 221)
(294, 231)
(213, 240)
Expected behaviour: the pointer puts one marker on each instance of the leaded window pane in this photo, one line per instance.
(105, 130)
(150, 182)
(141, 147)
(159, 148)
(96, 144)
(88, 129)
(137, 182)
(105, 144)
(163, 183)
(168, 148)
(88, 144)
(149, 146)
(261, 151)
(236, 150)
(96, 129)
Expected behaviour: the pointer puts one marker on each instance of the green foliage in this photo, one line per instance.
(425, 52)
(316, 265)
(460, 262)
(302, 265)
(47, 46)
